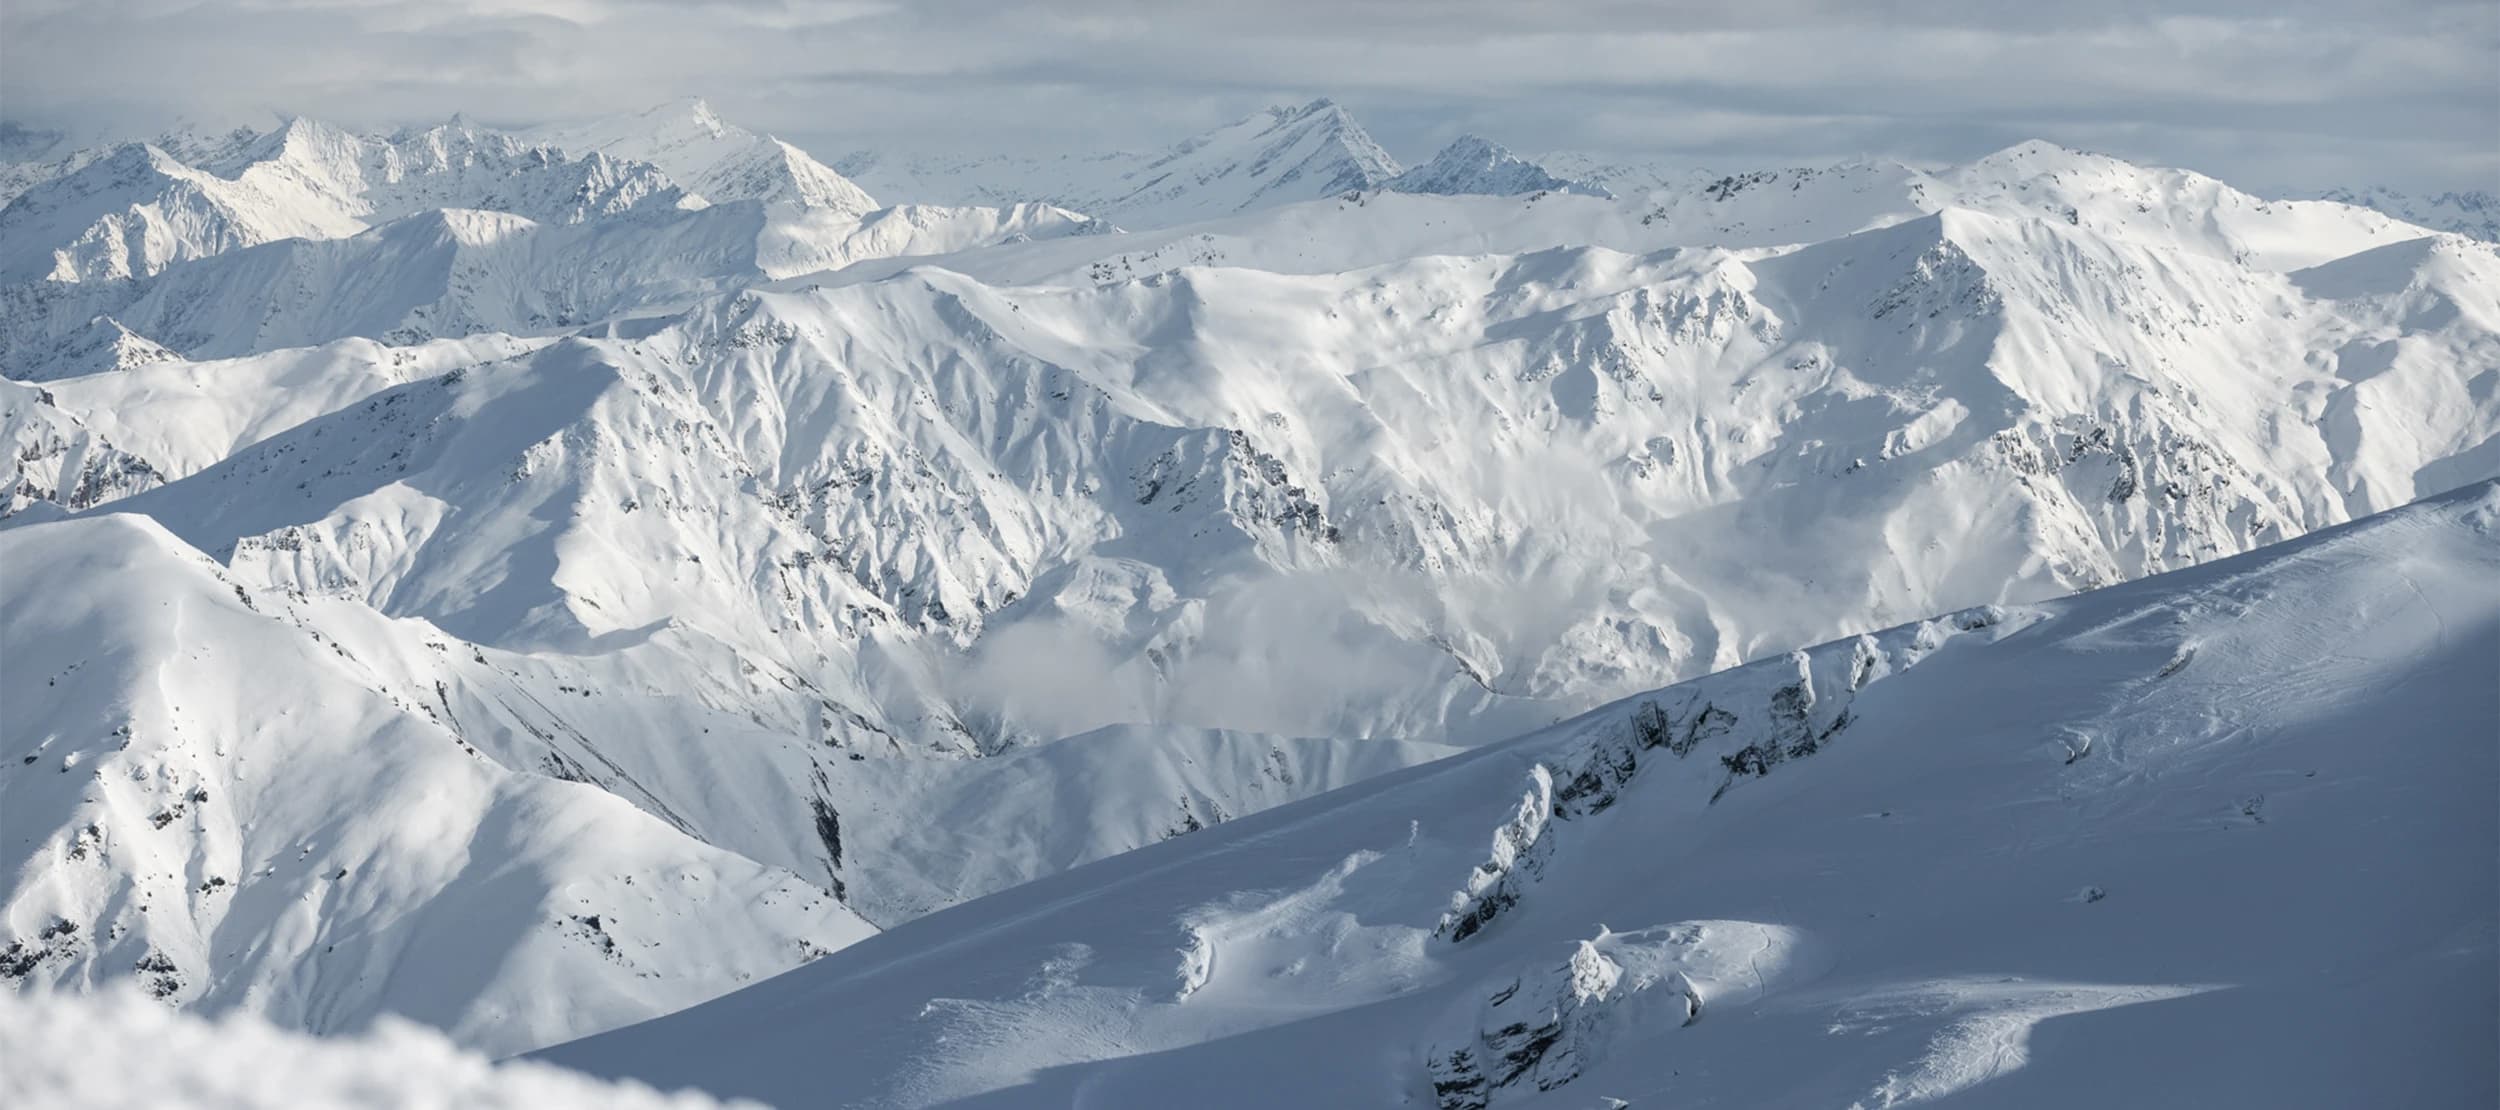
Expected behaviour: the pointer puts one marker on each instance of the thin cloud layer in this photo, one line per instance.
(2271, 95)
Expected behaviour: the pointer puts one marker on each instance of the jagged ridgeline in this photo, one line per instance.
(859, 539)
(1990, 854)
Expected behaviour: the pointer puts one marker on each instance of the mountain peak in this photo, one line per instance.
(101, 345)
(690, 109)
(2033, 148)
(561, 495)
(1314, 106)
(2040, 158)
(1277, 156)
(130, 157)
(1472, 164)
(711, 157)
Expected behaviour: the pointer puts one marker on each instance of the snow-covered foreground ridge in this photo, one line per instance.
(219, 796)
(117, 1051)
(2219, 837)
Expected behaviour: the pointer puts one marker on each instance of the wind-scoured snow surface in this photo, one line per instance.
(117, 1051)
(2221, 837)
(835, 565)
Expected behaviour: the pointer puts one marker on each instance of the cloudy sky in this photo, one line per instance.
(2271, 94)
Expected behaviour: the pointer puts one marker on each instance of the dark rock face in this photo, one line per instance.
(1517, 856)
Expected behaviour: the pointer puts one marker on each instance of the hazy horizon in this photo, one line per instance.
(2274, 97)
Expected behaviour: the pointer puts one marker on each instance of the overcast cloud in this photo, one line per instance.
(2271, 94)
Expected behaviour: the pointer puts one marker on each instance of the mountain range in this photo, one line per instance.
(532, 581)
(1276, 157)
(2143, 845)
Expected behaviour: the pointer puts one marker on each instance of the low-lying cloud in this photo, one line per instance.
(1292, 653)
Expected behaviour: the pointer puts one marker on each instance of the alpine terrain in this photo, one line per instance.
(1124, 617)
(2148, 845)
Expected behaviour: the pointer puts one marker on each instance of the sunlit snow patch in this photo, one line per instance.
(74, 1052)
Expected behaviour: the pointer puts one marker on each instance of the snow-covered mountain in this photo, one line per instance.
(719, 161)
(1625, 176)
(1278, 156)
(457, 272)
(139, 209)
(115, 216)
(2474, 212)
(310, 233)
(217, 792)
(31, 156)
(81, 441)
(2148, 845)
(129, 210)
(1282, 154)
(1475, 165)
(916, 554)
(1593, 386)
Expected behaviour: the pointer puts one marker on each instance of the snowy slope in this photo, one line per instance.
(59, 462)
(407, 520)
(88, 439)
(2157, 844)
(2149, 207)
(461, 272)
(1278, 156)
(139, 209)
(919, 511)
(1623, 176)
(73, 1053)
(928, 834)
(792, 528)
(2082, 408)
(2473, 212)
(453, 230)
(211, 794)
(32, 156)
(102, 345)
(1474, 165)
(716, 160)
(451, 165)
(547, 278)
